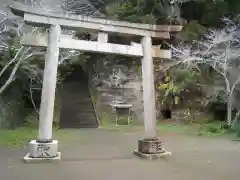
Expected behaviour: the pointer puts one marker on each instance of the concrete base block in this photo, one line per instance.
(152, 156)
(28, 159)
(43, 150)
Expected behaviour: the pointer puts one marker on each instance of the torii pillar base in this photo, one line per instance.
(151, 148)
(42, 152)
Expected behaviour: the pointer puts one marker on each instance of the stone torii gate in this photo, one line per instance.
(46, 148)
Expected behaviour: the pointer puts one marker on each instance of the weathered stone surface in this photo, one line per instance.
(152, 156)
(28, 159)
(43, 150)
(123, 113)
(149, 96)
(86, 46)
(20, 9)
(114, 83)
(180, 115)
(66, 42)
(183, 116)
(150, 146)
(49, 84)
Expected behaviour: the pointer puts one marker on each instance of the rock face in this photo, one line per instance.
(116, 83)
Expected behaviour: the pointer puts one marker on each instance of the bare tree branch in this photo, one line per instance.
(220, 49)
(11, 61)
(31, 95)
(11, 77)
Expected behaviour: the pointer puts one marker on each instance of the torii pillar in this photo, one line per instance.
(45, 148)
(149, 147)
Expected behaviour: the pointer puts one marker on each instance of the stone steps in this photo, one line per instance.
(77, 108)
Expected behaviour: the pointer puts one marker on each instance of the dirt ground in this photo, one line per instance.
(107, 155)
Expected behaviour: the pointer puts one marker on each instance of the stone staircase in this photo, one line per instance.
(77, 110)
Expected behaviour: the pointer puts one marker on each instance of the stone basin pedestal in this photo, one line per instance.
(151, 148)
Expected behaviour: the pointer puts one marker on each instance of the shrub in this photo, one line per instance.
(12, 113)
(32, 120)
(237, 129)
(213, 129)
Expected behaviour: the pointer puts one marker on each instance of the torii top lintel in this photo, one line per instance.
(37, 17)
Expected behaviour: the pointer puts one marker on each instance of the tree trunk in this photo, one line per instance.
(229, 110)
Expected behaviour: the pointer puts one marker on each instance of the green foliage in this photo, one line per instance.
(32, 119)
(177, 84)
(17, 137)
(209, 12)
(144, 11)
(211, 129)
(238, 129)
(12, 109)
(218, 97)
(132, 11)
(213, 12)
(192, 31)
(17, 98)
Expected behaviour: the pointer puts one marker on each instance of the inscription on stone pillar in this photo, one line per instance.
(43, 151)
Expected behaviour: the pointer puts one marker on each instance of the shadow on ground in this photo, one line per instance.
(107, 155)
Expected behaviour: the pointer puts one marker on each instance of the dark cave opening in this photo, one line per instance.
(166, 113)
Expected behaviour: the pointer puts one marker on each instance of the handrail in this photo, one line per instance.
(94, 108)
